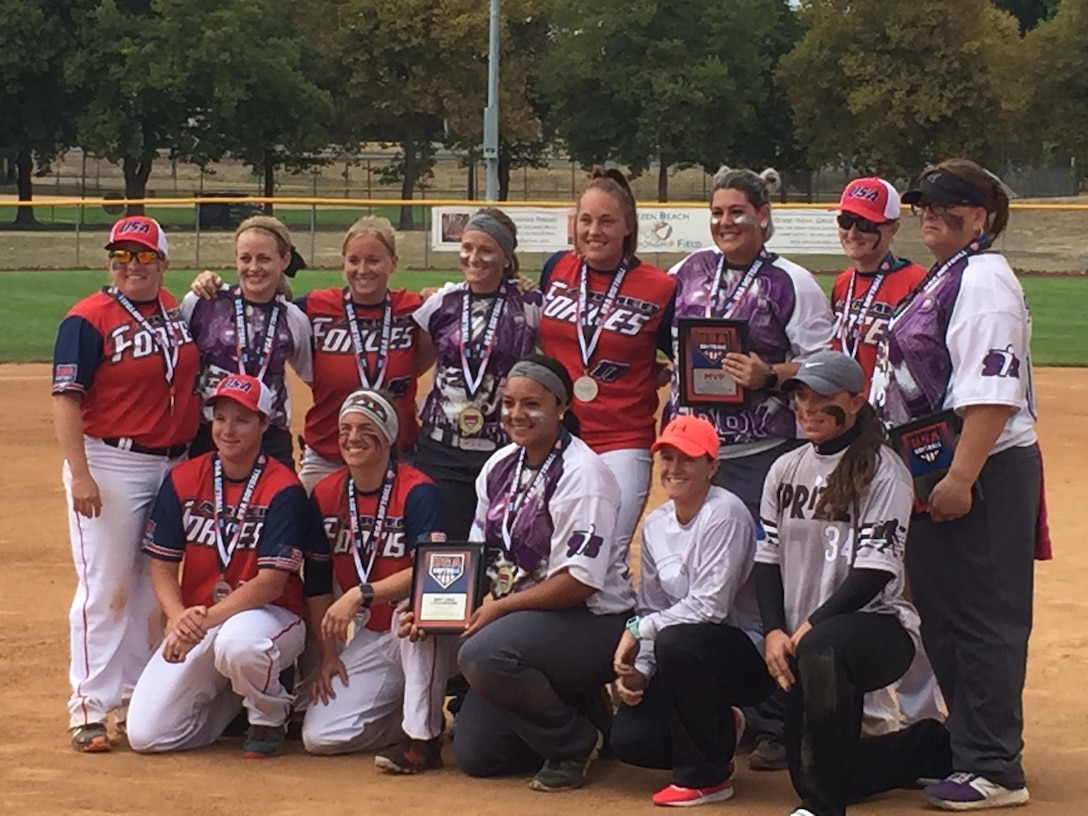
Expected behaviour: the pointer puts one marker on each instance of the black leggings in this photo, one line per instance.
(685, 720)
(831, 764)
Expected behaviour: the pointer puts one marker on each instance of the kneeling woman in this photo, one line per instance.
(691, 654)
(538, 656)
(829, 577)
(234, 518)
(380, 690)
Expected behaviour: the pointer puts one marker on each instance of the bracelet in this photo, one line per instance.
(632, 626)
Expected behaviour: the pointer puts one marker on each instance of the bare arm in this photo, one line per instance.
(426, 353)
(68, 421)
(262, 590)
(164, 582)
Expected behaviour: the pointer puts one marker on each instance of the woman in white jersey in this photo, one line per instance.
(829, 577)
(961, 346)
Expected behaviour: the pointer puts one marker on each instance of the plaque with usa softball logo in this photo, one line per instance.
(926, 447)
(446, 585)
(703, 344)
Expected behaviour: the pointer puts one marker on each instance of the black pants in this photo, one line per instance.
(534, 678)
(276, 442)
(455, 472)
(685, 720)
(972, 581)
(831, 764)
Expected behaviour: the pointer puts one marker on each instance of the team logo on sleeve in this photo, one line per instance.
(585, 542)
(64, 374)
(1001, 363)
(884, 537)
(446, 568)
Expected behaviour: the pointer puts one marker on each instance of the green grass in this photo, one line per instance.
(32, 304)
(182, 217)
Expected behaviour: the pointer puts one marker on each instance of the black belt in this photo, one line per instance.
(125, 443)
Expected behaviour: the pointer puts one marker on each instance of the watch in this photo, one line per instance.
(772, 378)
(632, 627)
(366, 593)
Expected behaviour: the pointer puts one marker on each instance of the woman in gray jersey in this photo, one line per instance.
(829, 577)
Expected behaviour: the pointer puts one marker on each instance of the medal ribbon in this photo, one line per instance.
(738, 292)
(845, 326)
(370, 546)
(242, 336)
(232, 530)
(517, 497)
(933, 276)
(581, 315)
(360, 349)
(481, 351)
(172, 347)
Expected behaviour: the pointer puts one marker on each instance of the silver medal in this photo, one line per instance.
(586, 388)
(220, 591)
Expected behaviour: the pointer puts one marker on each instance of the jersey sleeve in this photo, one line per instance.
(284, 532)
(422, 316)
(809, 327)
(188, 306)
(76, 355)
(317, 572)
(582, 541)
(164, 533)
(423, 513)
(549, 267)
(302, 359)
(478, 532)
(768, 550)
(883, 518)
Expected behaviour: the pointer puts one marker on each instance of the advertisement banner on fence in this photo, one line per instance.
(661, 229)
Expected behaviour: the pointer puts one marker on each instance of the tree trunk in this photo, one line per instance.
(505, 162)
(408, 182)
(24, 171)
(269, 180)
(137, 170)
(663, 179)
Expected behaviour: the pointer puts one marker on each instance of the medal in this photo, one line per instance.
(241, 340)
(586, 388)
(517, 497)
(220, 591)
(228, 532)
(741, 289)
(847, 329)
(170, 349)
(596, 323)
(480, 351)
(370, 546)
(503, 574)
(361, 619)
(361, 357)
(470, 421)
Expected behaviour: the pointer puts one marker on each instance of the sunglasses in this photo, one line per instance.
(935, 207)
(848, 220)
(144, 256)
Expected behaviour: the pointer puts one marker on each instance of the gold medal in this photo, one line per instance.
(586, 388)
(504, 574)
(470, 421)
(220, 591)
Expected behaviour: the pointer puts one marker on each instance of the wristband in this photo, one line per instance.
(632, 627)
(772, 378)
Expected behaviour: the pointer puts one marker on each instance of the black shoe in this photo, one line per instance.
(565, 774)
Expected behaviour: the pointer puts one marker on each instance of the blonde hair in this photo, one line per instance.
(273, 226)
(379, 227)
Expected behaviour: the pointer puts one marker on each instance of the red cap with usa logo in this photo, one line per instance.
(141, 230)
(247, 391)
(872, 198)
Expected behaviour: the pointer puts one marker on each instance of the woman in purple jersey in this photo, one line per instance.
(252, 329)
(477, 330)
(958, 350)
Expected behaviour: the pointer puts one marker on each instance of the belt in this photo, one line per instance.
(125, 443)
(466, 443)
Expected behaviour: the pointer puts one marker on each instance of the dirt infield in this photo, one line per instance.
(40, 774)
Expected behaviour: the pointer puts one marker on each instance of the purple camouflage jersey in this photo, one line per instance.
(516, 334)
(789, 318)
(214, 329)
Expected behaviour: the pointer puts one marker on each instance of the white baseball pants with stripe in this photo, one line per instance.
(632, 468)
(178, 706)
(114, 620)
(394, 687)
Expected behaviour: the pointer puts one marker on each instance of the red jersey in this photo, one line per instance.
(861, 334)
(336, 369)
(622, 414)
(182, 527)
(413, 513)
(118, 365)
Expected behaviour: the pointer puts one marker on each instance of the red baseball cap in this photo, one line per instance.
(872, 198)
(691, 435)
(249, 392)
(141, 230)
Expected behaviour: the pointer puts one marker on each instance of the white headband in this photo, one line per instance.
(377, 408)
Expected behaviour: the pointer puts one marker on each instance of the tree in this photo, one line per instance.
(1029, 12)
(670, 81)
(39, 109)
(891, 87)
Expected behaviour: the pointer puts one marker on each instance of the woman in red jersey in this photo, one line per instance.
(125, 408)
(606, 314)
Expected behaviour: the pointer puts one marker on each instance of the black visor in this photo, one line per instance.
(943, 187)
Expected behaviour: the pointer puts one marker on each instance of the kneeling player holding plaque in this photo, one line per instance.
(378, 690)
(446, 586)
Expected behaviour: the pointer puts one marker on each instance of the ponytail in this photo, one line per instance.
(852, 476)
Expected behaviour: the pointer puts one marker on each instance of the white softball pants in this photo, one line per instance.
(178, 706)
(114, 621)
(632, 468)
(314, 468)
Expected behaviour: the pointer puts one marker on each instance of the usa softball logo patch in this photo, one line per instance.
(65, 374)
(445, 569)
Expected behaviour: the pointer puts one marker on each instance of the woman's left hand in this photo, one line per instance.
(748, 370)
(950, 498)
(488, 612)
(662, 374)
(797, 636)
(334, 626)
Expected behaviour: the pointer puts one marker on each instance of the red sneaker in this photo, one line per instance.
(676, 796)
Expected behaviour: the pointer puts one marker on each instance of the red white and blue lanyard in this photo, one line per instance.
(738, 292)
(170, 349)
(229, 532)
(242, 336)
(373, 542)
(481, 350)
(516, 498)
(847, 328)
(581, 317)
(933, 276)
(360, 348)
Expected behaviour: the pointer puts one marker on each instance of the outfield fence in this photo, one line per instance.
(1042, 237)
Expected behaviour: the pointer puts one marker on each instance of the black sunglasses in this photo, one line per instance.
(848, 220)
